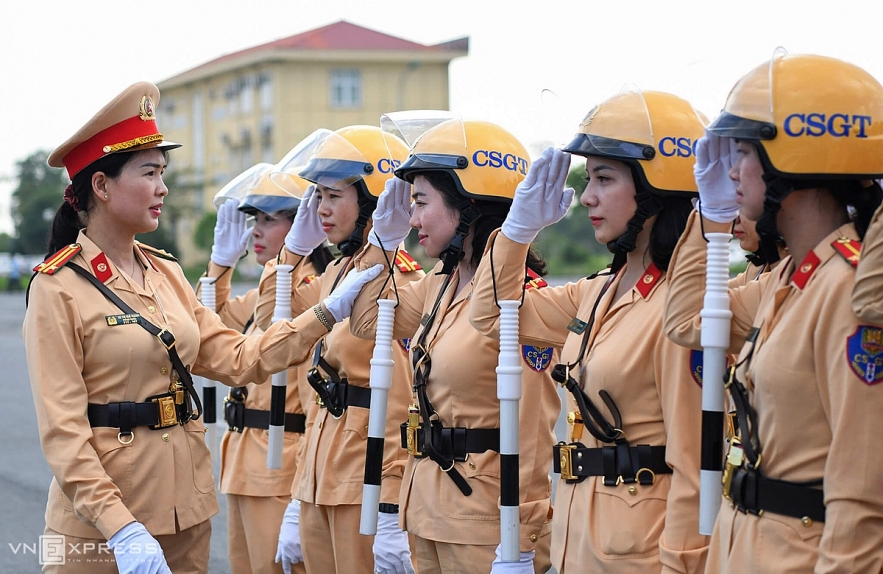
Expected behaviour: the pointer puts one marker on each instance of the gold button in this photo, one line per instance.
(151, 308)
(163, 371)
(165, 437)
(205, 430)
(471, 465)
(648, 279)
(320, 424)
(633, 491)
(533, 537)
(806, 267)
(806, 521)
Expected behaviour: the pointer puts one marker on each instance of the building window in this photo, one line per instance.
(346, 88)
(265, 85)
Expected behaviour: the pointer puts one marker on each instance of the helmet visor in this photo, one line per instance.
(336, 163)
(240, 185)
(441, 146)
(619, 128)
(750, 109)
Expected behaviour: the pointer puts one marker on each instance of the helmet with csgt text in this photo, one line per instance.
(813, 117)
(485, 161)
(654, 132)
(269, 197)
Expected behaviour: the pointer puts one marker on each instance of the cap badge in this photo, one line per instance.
(590, 116)
(147, 109)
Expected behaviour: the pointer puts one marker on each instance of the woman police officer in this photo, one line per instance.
(110, 353)
(256, 495)
(628, 496)
(451, 489)
(349, 169)
(808, 134)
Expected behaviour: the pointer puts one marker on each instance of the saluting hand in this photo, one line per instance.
(540, 200)
(392, 216)
(231, 235)
(306, 231)
(715, 156)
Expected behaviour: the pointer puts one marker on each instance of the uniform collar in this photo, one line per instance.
(649, 281)
(805, 271)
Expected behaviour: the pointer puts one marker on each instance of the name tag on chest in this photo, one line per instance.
(127, 319)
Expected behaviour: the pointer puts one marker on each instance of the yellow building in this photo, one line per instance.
(256, 104)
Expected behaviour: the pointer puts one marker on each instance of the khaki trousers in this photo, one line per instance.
(330, 539)
(186, 552)
(253, 534)
(442, 558)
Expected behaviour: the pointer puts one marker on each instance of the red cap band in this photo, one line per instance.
(127, 133)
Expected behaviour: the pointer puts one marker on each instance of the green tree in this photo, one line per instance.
(7, 243)
(35, 201)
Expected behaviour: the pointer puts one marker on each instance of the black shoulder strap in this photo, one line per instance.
(164, 335)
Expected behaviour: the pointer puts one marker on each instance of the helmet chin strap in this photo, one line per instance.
(648, 206)
(350, 246)
(453, 252)
(777, 189)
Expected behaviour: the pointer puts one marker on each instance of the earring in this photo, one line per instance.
(105, 196)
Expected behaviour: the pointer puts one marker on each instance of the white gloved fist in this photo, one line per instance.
(392, 216)
(540, 199)
(392, 553)
(231, 235)
(288, 548)
(340, 301)
(715, 157)
(137, 552)
(306, 231)
(523, 566)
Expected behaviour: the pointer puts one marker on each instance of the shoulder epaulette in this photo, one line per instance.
(157, 252)
(57, 261)
(309, 278)
(648, 280)
(406, 263)
(533, 281)
(849, 249)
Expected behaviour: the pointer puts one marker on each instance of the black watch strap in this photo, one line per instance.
(387, 508)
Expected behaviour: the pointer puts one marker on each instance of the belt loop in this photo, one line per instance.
(608, 457)
(127, 418)
(645, 461)
(624, 468)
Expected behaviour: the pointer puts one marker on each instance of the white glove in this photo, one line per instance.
(715, 157)
(288, 549)
(231, 235)
(306, 232)
(340, 301)
(392, 553)
(540, 199)
(137, 552)
(523, 566)
(392, 215)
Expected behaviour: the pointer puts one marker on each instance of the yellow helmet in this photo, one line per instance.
(269, 195)
(485, 161)
(812, 116)
(356, 155)
(238, 187)
(654, 132)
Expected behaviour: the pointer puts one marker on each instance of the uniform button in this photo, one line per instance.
(320, 424)
(151, 309)
(806, 521)
(472, 465)
(165, 437)
(163, 371)
(533, 537)
(633, 491)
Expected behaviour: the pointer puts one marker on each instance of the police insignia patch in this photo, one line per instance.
(537, 358)
(864, 351)
(101, 268)
(696, 358)
(405, 344)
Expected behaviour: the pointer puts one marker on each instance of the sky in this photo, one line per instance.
(62, 60)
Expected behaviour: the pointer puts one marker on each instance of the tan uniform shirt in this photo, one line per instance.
(813, 381)
(867, 295)
(651, 381)
(462, 387)
(244, 455)
(332, 470)
(163, 477)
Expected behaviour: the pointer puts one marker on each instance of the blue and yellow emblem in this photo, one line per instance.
(696, 358)
(405, 344)
(864, 350)
(537, 358)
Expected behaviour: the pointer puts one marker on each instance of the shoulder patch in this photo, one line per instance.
(696, 358)
(533, 281)
(308, 279)
(406, 263)
(537, 358)
(849, 249)
(864, 352)
(157, 252)
(101, 268)
(57, 261)
(805, 270)
(648, 280)
(405, 344)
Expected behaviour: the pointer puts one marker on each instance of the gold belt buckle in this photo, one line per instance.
(319, 400)
(168, 415)
(565, 458)
(735, 457)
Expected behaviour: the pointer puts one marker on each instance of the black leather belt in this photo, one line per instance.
(238, 418)
(345, 395)
(159, 412)
(753, 492)
(617, 464)
(452, 442)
